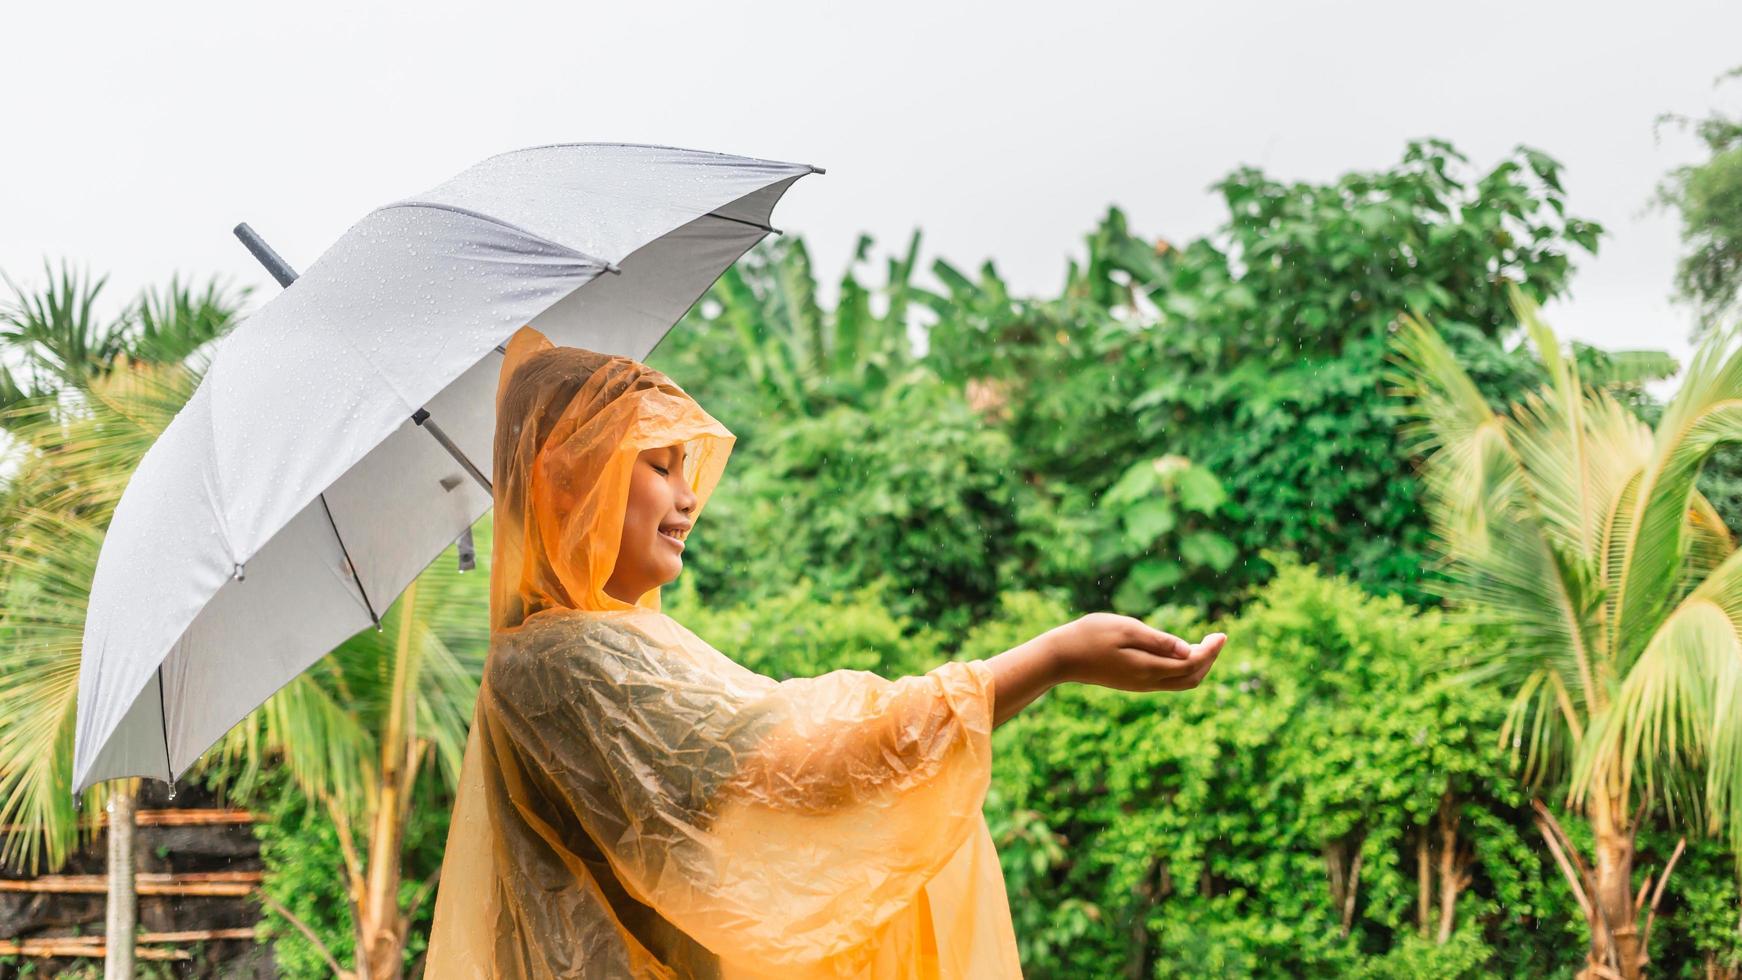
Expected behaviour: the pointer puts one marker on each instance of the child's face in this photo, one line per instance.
(659, 497)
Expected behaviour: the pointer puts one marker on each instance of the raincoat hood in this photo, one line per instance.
(570, 423)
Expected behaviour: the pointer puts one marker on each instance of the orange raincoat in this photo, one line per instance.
(633, 803)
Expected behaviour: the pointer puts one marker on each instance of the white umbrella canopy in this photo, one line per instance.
(294, 497)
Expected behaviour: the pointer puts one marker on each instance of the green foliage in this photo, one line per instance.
(1708, 196)
(768, 350)
(1265, 362)
(299, 846)
(1700, 924)
(912, 488)
(792, 634)
(64, 343)
(1465, 955)
(1256, 353)
(1194, 835)
(1159, 509)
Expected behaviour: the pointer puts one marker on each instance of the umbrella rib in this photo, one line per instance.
(163, 720)
(421, 417)
(765, 229)
(286, 275)
(348, 564)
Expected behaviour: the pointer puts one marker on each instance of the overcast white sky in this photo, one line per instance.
(138, 135)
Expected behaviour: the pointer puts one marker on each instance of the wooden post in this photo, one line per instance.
(123, 904)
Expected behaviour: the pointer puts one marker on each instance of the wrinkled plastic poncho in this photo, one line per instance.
(634, 803)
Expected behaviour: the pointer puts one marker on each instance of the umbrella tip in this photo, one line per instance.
(816, 169)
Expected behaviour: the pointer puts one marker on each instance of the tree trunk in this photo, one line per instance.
(1454, 866)
(1613, 901)
(1345, 877)
(1148, 890)
(1423, 881)
(123, 903)
(381, 927)
(379, 932)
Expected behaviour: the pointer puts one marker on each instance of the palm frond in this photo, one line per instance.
(73, 462)
(447, 691)
(1538, 726)
(174, 322)
(57, 328)
(1679, 710)
(1507, 569)
(453, 607)
(328, 746)
(1578, 446)
(50, 558)
(1651, 533)
(1709, 543)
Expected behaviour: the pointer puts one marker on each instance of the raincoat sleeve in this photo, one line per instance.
(775, 822)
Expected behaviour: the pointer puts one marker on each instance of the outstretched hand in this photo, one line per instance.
(1122, 652)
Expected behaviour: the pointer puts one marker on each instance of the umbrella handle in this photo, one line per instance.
(273, 262)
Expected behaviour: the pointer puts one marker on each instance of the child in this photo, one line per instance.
(635, 804)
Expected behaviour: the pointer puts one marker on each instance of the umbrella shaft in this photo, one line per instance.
(421, 417)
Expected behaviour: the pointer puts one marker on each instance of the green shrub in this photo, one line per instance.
(916, 489)
(802, 632)
(1194, 834)
(305, 873)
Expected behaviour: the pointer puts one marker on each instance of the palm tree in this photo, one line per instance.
(355, 731)
(63, 341)
(1577, 530)
(72, 456)
(85, 377)
(363, 725)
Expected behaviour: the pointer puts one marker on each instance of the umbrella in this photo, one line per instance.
(338, 442)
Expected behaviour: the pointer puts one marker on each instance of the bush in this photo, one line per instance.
(305, 872)
(1206, 833)
(915, 490)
